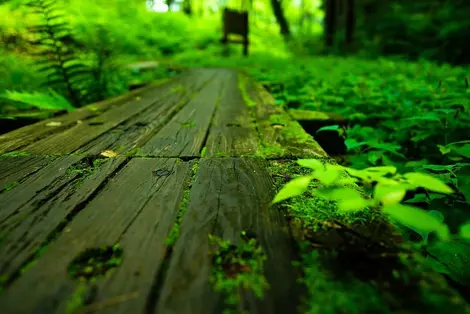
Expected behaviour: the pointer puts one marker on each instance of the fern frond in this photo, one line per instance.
(41, 101)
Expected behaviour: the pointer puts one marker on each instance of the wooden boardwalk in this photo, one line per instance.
(132, 187)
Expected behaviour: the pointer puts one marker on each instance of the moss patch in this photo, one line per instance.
(174, 234)
(237, 268)
(94, 263)
(86, 167)
(15, 154)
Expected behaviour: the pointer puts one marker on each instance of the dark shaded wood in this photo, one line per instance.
(232, 132)
(135, 207)
(330, 22)
(350, 21)
(13, 201)
(13, 170)
(134, 133)
(235, 22)
(280, 135)
(30, 224)
(20, 138)
(230, 195)
(185, 134)
(144, 245)
(82, 133)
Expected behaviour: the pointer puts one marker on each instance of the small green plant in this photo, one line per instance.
(237, 268)
(388, 190)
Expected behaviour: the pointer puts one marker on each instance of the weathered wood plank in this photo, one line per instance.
(185, 134)
(281, 136)
(12, 201)
(27, 135)
(230, 195)
(232, 132)
(137, 207)
(15, 169)
(42, 215)
(132, 134)
(73, 138)
(144, 243)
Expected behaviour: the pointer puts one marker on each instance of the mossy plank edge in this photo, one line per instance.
(129, 201)
(280, 135)
(311, 115)
(130, 136)
(359, 263)
(29, 134)
(230, 195)
(48, 198)
(185, 133)
(232, 132)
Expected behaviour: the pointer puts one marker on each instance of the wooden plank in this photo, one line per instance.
(229, 195)
(27, 135)
(43, 215)
(281, 136)
(131, 135)
(136, 207)
(12, 201)
(232, 132)
(185, 134)
(14, 169)
(145, 243)
(73, 138)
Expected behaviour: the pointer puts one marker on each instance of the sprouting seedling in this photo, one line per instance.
(425, 235)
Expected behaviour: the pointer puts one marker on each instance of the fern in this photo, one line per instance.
(42, 101)
(62, 67)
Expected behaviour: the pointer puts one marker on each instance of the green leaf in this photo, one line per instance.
(417, 219)
(463, 182)
(464, 231)
(428, 182)
(329, 128)
(348, 199)
(293, 188)
(463, 150)
(382, 170)
(389, 194)
(328, 176)
(311, 163)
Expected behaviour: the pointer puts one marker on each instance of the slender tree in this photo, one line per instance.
(281, 18)
(350, 21)
(330, 22)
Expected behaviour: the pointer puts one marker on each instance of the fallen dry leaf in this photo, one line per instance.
(53, 123)
(108, 153)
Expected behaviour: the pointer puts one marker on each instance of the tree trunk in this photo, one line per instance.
(281, 19)
(350, 21)
(187, 7)
(330, 22)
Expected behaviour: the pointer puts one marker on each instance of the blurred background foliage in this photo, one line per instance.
(105, 36)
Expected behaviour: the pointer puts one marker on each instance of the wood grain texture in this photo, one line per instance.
(128, 208)
(233, 132)
(185, 134)
(27, 135)
(230, 195)
(131, 135)
(13, 170)
(31, 224)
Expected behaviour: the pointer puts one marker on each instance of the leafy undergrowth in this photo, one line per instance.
(410, 117)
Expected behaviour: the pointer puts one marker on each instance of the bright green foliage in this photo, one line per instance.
(237, 269)
(389, 190)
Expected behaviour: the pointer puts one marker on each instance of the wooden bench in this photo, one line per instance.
(235, 22)
(109, 210)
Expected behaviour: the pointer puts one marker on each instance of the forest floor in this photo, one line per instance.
(412, 116)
